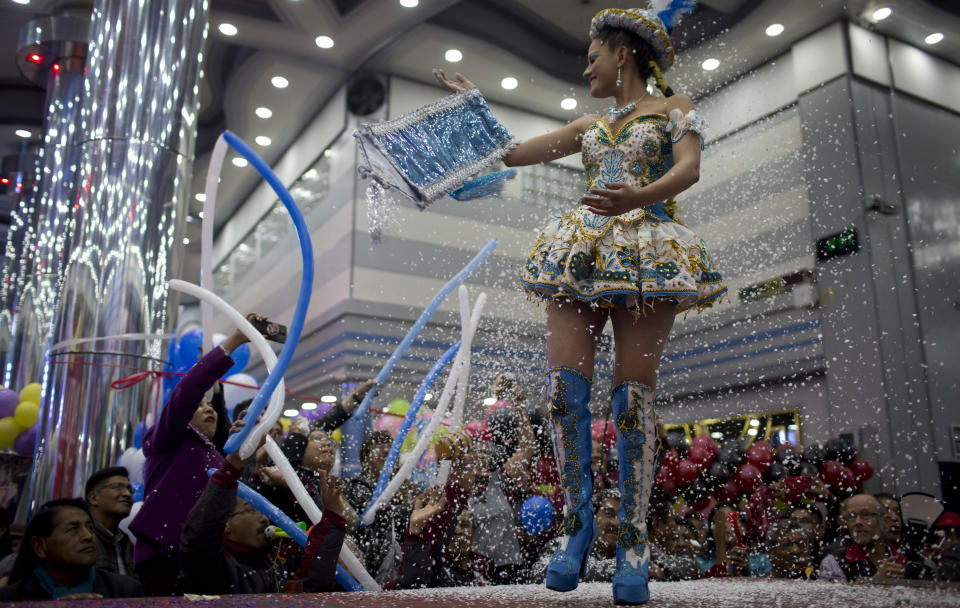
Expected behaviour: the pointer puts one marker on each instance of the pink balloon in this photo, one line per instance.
(495, 406)
(389, 423)
(476, 428)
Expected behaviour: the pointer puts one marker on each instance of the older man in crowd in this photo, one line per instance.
(110, 496)
(865, 554)
(790, 548)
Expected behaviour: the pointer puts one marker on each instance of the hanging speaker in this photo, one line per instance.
(365, 94)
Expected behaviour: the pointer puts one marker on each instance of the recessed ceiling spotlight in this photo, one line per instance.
(328, 399)
(23, 133)
(227, 29)
(933, 38)
(200, 196)
(569, 103)
(291, 413)
(186, 240)
(453, 55)
(308, 406)
(324, 42)
(881, 13)
(280, 82)
(509, 83)
(21, 1)
(710, 64)
(263, 112)
(409, 3)
(239, 161)
(263, 140)
(775, 29)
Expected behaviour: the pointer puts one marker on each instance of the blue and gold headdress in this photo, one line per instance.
(653, 25)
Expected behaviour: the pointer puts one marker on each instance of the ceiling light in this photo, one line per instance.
(453, 55)
(754, 422)
(509, 83)
(308, 406)
(200, 215)
(280, 82)
(774, 30)
(200, 196)
(186, 240)
(428, 397)
(37, 59)
(489, 400)
(21, 1)
(263, 112)
(239, 161)
(291, 413)
(751, 432)
(228, 29)
(328, 399)
(710, 64)
(569, 103)
(23, 133)
(716, 435)
(881, 13)
(409, 3)
(262, 140)
(324, 42)
(933, 38)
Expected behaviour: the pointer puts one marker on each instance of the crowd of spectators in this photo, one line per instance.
(194, 534)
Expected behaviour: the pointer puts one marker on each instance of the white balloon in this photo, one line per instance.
(218, 338)
(232, 395)
(125, 522)
(133, 460)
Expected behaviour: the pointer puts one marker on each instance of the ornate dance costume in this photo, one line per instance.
(635, 258)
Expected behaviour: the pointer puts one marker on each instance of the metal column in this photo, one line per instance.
(138, 130)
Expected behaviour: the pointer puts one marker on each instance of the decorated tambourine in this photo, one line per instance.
(433, 151)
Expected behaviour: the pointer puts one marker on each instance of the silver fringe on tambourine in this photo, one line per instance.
(431, 151)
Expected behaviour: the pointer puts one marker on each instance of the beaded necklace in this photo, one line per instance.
(618, 113)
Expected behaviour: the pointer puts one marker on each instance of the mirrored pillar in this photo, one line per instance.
(138, 124)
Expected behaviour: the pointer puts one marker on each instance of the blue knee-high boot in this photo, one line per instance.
(570, 424)
(636, 441)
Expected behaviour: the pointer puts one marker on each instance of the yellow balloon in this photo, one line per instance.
(337, 435)
(8, 432)
(26, 414)
(31, 393)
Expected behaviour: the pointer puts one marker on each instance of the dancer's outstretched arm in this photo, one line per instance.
(541, 149)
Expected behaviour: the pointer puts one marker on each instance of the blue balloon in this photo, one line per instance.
(188, 348)
(438, 299)
(303, 296)
(241, 357)
(536, 514)
(384, 480)
(137, 491)
(138, 436)
(280, 519)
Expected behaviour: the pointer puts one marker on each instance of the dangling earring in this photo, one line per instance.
(619, 82)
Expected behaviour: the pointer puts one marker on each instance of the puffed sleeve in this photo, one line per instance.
(681, 123)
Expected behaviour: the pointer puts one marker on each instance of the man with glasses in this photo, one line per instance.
(110, 496)
(865, 554)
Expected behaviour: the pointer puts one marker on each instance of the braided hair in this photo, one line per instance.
(643, 54)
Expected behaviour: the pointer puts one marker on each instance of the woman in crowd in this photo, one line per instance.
(179, 449)
(621, 255)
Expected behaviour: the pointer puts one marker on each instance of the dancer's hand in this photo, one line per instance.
(425, 507)
(616, 199)
(330, 492)
(457, 86)
(356, 397)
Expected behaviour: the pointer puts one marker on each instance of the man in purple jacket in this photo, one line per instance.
(178, 450)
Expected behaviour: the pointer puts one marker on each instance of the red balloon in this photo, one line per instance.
(685, 472)
(787, 446)
(699, 456)
(847, 481)
(667, 483)
(730, 492)
(597, 432)
(706, 442)
(761, 455)
(862, 469)
(830, 472)
(747, 477)
(670, 460)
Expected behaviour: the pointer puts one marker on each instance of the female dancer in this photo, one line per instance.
(620, 255)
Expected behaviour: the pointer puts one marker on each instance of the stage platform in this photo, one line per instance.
(713, 593)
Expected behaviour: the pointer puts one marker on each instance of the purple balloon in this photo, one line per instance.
(26, 441)
(8, 402)
(323, 408)
(310, 415)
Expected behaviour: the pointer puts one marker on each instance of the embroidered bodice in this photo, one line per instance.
(639, 152)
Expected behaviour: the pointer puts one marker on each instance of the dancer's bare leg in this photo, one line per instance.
(573, 328)
(639, 342)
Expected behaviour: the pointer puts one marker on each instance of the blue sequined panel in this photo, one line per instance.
(460, 136)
